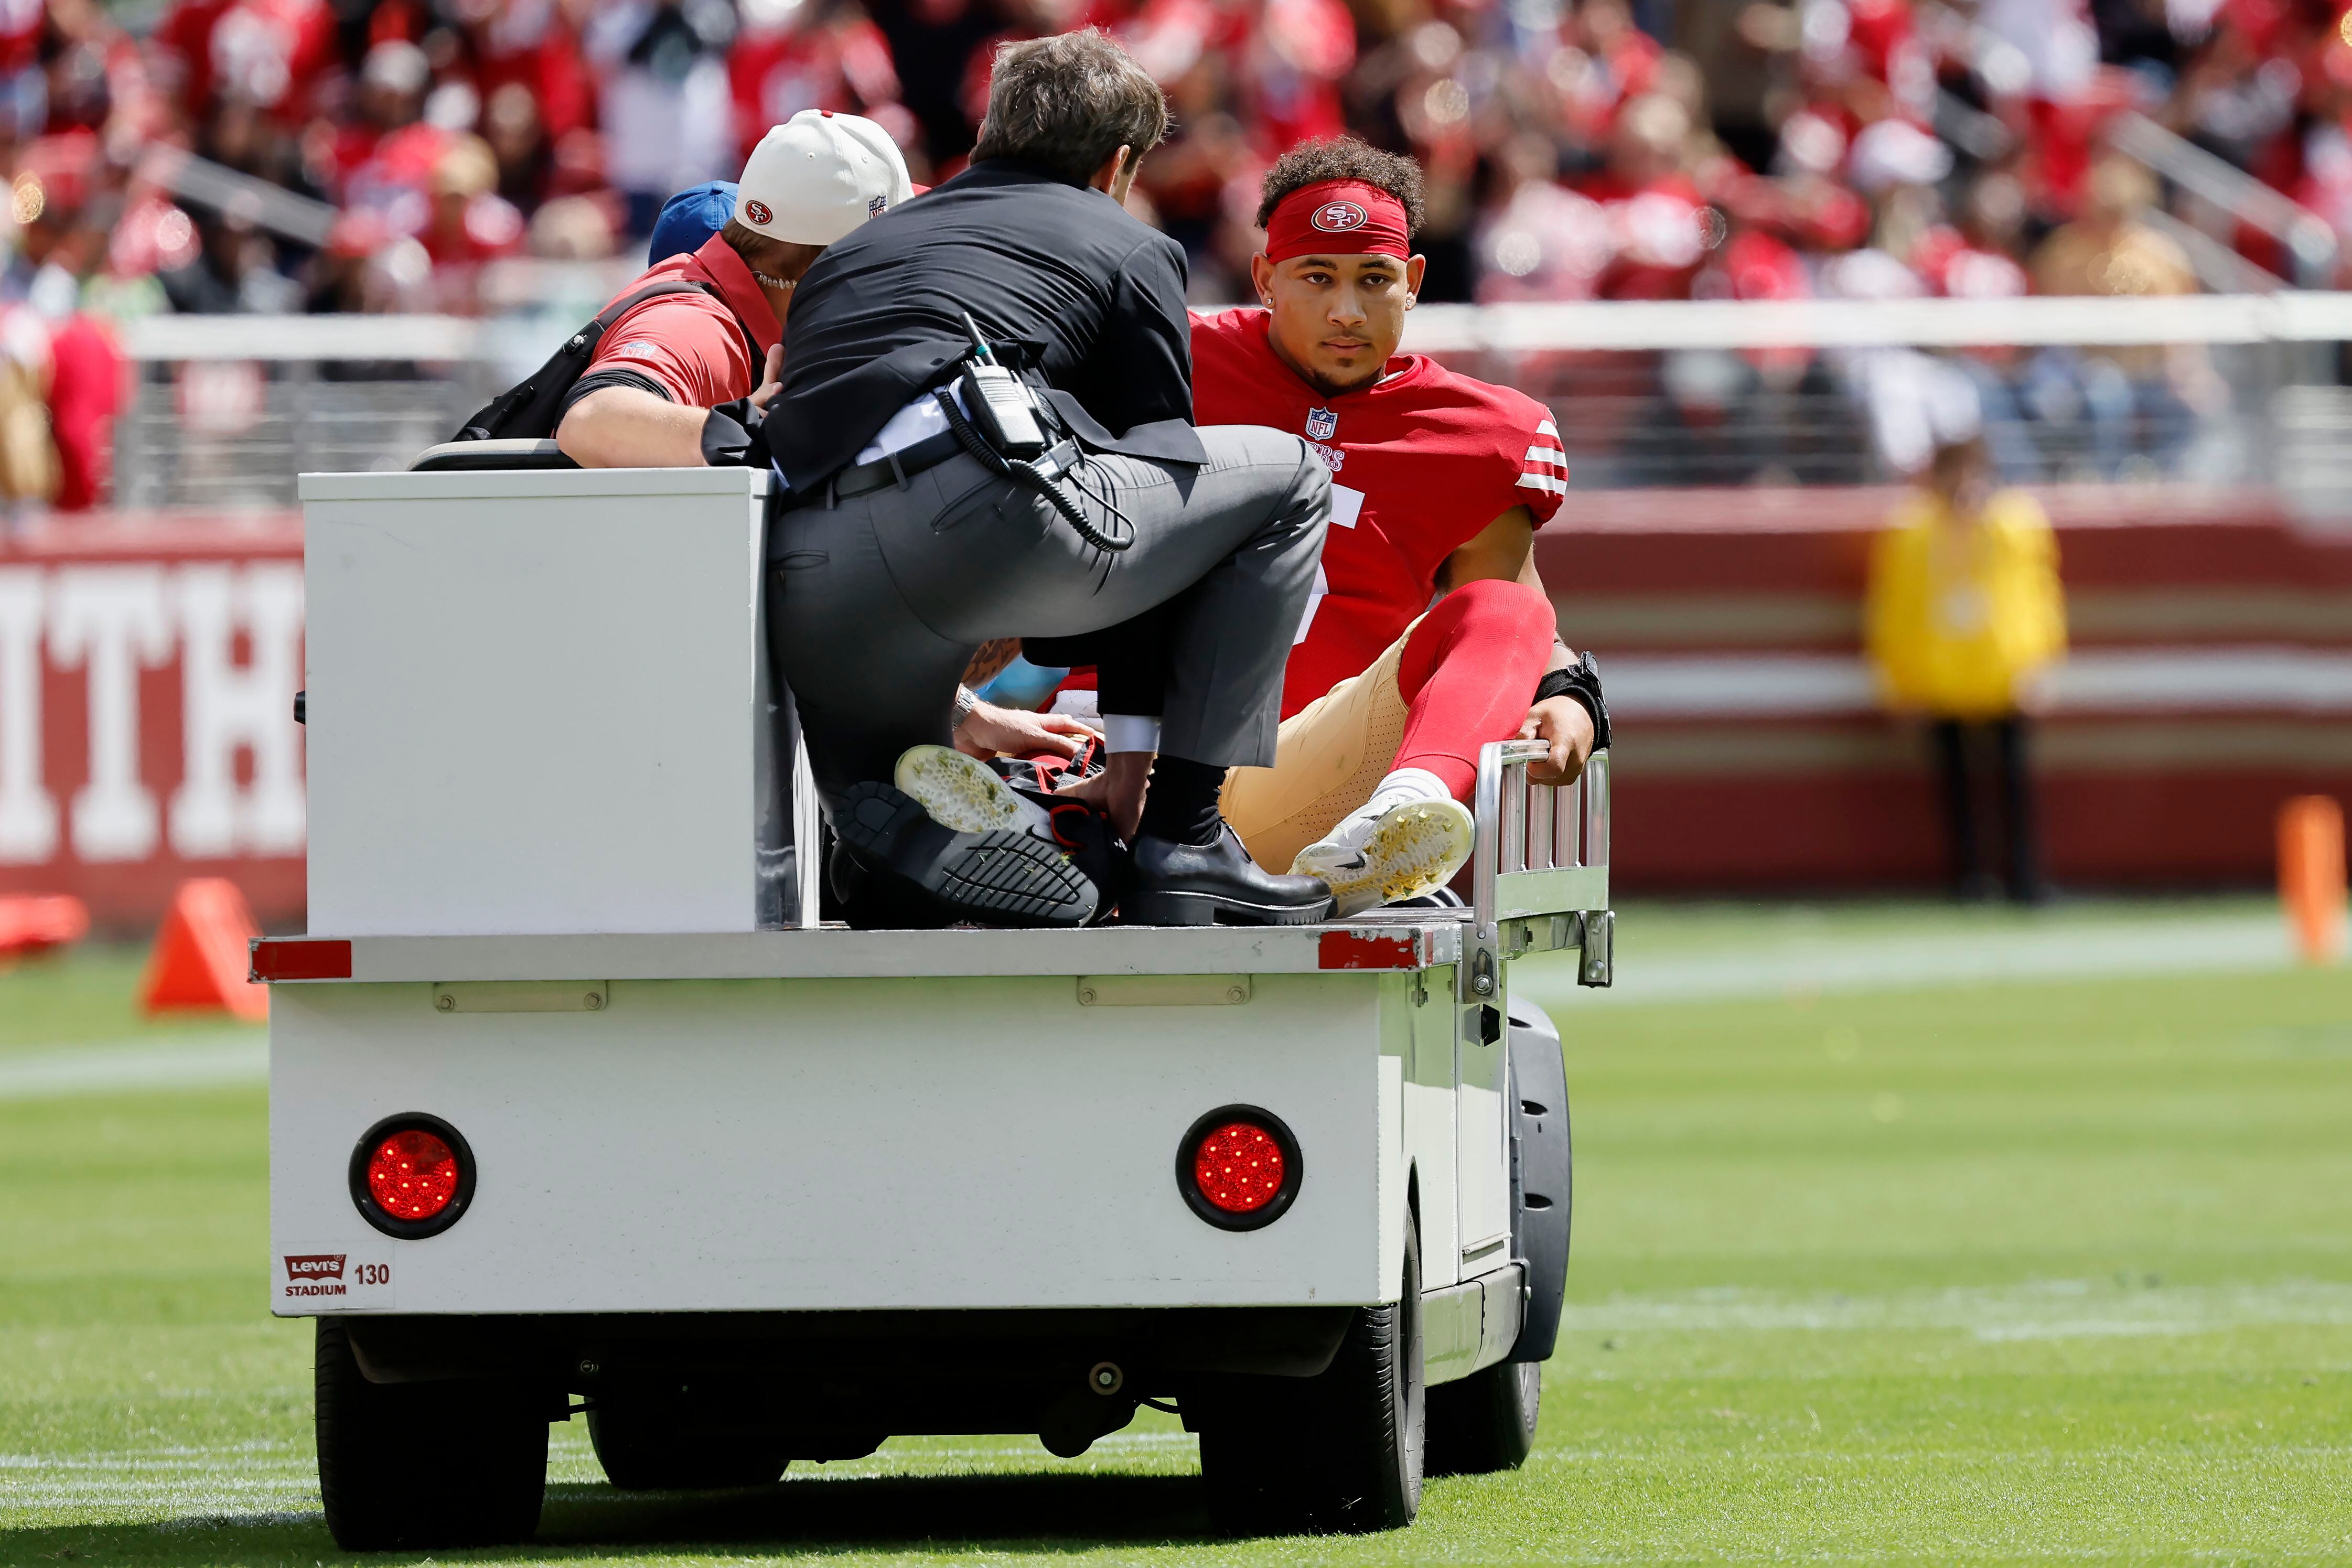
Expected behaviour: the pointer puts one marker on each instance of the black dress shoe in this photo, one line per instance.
(1005, 878)
(1215, 884)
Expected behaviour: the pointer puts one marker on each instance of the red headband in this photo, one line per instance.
(1337, 217)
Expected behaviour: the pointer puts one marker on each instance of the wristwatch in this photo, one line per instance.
(966, 699)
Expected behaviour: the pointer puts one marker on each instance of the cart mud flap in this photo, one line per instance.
(1543, 1174)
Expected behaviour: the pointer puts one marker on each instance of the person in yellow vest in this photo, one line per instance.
(1964, 620)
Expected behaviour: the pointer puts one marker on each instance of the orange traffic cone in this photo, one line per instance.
(2311, 874)
(200, 958)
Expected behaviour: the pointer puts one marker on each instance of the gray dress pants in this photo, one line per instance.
(878, 602)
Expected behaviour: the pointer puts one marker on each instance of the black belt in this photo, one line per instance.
(896, 468)
(893, 468)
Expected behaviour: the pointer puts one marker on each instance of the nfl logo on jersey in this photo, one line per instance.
(1322, 425)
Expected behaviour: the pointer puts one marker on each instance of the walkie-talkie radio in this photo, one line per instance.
(1000, 403)
(994, 416)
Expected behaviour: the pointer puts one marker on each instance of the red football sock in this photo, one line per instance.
(1468, 675)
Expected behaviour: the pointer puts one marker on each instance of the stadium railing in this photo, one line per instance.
(2240, 390)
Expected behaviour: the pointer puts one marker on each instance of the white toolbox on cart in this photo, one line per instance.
(758, 1194)
(537, 701)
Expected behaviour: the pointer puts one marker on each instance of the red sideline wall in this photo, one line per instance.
(147, 672)
(2211, 679)
(147, 665)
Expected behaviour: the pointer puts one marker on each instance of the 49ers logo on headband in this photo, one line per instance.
(1339, 218)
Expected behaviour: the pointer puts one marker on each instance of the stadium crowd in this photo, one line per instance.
(379, 154)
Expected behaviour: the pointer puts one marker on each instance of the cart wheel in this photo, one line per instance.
(650, 1443)
(412, 1465)
(1339, 1451)
(1487, 1421)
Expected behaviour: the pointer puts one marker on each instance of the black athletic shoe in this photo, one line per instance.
(1215, 884)
(1002, 878)
(876, 900)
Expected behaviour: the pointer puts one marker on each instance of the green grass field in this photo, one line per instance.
(1869, 1267)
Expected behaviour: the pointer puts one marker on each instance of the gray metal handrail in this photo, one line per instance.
(1541, 853)
(235, 193)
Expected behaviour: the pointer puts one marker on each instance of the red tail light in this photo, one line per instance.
(412, 1175)
(1238, 1167)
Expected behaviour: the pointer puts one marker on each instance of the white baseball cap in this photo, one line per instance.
(818, 175)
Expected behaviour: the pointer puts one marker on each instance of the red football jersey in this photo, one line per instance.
(1422, 461)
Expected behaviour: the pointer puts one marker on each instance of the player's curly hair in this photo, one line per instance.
(1343, 158)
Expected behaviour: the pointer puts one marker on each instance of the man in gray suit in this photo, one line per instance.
(918, 529)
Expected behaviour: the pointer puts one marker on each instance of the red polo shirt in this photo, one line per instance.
(689, 343)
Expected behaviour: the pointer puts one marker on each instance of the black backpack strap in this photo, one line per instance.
(680, 286)
(586, 337)
(530, 408)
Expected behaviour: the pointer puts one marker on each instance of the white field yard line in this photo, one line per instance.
(282, 1483)
(2043, 1310)
(162, 1061)
(2062, 949)
(47, 1486)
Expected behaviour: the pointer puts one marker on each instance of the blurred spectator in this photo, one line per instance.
(24, 83)
(1655, 212)
(665, 107)
(393, 83)
(1539, 240)
(518, 142)
(531, 48)
(1964, 618)
(573, 228)
(810, 54)
(2136, 398)
(231, 271)
(28, 457)
(340, 274)
(269, 54)
(86, 378)
(471, 223)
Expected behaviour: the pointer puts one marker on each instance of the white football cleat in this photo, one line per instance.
(965, 794)
(1406, 852)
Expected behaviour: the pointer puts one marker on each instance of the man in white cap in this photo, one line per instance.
(648, 396)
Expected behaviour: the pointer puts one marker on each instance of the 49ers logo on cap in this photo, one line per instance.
(757, 211)
(1339, 217)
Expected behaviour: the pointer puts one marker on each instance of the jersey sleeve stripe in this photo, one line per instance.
(1548, 428)
(1551, 454)
(1558, 487)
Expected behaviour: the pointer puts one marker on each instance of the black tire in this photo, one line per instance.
(1484, 1422)
(1340, 1451)
(654, 1444)
(423, 1465)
